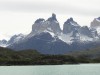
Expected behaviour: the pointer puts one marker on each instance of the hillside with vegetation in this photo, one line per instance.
(92, 53)
(32, 57)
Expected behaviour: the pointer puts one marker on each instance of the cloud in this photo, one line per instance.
(46, 7)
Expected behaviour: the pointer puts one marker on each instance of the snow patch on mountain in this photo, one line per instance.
(66, 38)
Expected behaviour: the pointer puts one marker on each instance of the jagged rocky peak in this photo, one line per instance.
(52, 18)
(70, 25)
(95, 23)
(53, 25)
(69, 20)
(85, 31)
(39, 20)
(36, 27)
(49, 25)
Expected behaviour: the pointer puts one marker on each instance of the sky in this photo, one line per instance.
(17, 16)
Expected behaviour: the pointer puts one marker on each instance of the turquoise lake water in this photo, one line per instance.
(83, 69)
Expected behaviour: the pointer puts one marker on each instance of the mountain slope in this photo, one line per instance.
(43, 42)
(92, 53)
(48, 38)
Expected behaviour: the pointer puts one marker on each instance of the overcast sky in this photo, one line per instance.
(17, 16)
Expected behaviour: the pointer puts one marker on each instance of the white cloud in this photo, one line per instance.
(82, 7)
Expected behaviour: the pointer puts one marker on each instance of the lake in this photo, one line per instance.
(82, 69)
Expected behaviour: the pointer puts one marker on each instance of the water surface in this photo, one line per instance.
(83, 69)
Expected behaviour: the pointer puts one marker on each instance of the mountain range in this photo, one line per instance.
(48, 38)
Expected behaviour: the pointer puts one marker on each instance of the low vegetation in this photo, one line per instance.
(32, 57)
